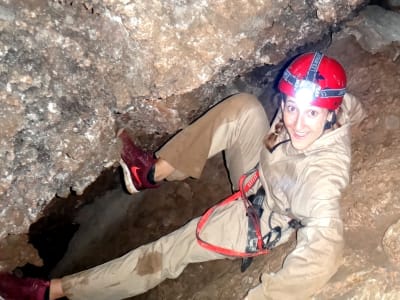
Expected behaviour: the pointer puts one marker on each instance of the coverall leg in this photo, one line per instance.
(237, 126)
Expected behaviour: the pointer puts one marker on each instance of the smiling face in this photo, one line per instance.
(304, 122)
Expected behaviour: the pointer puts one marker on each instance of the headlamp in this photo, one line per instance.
(306, 91)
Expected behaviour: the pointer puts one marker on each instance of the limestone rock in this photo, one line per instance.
(72, 71)
(375, 28)
(15, 250)
(391, 243)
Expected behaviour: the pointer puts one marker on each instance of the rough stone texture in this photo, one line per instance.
(70, 70)
(391, 242)
(375, 28)
(371, 208)
(15, 252)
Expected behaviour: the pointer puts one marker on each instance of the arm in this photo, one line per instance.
(306, 269)
(318, 252)
(355, 113)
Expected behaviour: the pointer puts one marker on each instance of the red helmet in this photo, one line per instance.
(317, 78)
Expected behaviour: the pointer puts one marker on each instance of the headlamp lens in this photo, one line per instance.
(306, 91)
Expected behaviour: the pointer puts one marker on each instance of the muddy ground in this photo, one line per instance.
(370, 205)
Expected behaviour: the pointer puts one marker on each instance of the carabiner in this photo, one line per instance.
(272, 238)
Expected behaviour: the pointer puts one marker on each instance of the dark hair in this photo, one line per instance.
(270, 139)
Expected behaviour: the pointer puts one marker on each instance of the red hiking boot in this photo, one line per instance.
(136, 165)
(14, 288)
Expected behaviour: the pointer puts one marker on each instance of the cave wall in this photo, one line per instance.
(73, 71)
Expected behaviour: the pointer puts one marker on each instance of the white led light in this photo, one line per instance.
(306, 91)
(304, 95)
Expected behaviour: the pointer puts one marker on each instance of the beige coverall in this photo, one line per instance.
(303, 184)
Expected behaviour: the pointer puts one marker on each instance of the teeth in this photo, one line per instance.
(300, 133)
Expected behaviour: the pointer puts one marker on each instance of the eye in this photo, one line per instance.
(290, 108)
(313, 113)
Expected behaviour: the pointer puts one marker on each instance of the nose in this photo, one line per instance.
(299, 124)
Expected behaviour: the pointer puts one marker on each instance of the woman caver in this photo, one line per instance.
(295, 172)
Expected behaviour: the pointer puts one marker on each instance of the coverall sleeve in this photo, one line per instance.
(356, 113)
(306, 269)
(319, 248)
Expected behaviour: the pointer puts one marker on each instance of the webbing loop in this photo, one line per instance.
(252, 214)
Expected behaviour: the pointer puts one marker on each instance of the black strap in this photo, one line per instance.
(256, 210)
(327, 93)
(314, 66)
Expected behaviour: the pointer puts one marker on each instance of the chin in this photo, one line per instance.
(299, 145)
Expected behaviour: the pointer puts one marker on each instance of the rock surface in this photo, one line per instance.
(375, 28)
(72, 71)
(370, 205)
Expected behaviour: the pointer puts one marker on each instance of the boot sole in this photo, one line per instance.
(127, 178)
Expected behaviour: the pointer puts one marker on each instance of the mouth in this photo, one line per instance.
(299, 135)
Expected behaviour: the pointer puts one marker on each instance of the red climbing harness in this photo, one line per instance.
(251, 213)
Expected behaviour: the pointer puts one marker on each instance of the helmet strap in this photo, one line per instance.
(329, 124)
(314, 66)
